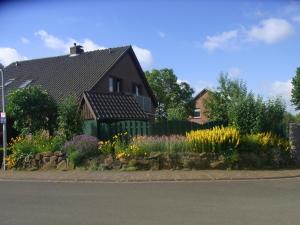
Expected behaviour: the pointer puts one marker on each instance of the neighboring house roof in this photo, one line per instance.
(201, 93)
(113, 106)
(68, 75)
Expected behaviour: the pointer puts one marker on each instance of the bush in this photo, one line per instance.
(218, 140)
(69, 118)
(81, 147)
(265, 150)
(118, 144)
(32, 109)
(25, 146)
(76, 158)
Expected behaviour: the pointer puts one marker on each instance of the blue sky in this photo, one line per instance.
(257, 41)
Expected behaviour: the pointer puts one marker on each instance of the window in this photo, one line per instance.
(9, 82)
(197, 113)
(114, 85)
(118, 85)
(25, 83)
(136, 89)
(111, 84)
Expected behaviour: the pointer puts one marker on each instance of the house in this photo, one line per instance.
(199, 115)
(109, 84)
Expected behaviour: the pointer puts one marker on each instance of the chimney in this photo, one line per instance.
(76, 49)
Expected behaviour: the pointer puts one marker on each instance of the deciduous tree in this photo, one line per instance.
(296, 89)
(32, 109)
(175, 99)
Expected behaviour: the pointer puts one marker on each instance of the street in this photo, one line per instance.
(261, 202)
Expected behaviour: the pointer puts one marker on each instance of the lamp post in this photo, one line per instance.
(4, 120)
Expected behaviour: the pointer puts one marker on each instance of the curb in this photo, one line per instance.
(146, 181)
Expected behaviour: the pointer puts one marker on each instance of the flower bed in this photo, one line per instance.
(204, 149)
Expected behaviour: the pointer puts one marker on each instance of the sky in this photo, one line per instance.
(254, 41)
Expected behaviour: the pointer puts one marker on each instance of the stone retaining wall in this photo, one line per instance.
(46, 160)
(294, 137)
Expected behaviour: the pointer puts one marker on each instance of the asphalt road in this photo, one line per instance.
(263, 202)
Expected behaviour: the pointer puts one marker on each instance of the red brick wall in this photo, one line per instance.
(199, 104)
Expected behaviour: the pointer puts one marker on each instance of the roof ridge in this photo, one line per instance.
(61, 56)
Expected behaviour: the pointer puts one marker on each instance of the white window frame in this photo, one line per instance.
(197, 110)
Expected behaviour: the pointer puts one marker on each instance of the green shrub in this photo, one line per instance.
(117, 145)
(24, 146)
(81, 147)
(265, 150)
(84, 144)
(76, 158)
(106, 147)
(69, 118)
(32, 109)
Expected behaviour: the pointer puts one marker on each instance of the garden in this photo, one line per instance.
(216, 148)
(50, 136)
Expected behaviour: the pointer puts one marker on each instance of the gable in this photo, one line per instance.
(129, 71)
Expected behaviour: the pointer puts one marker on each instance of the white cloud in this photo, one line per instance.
(282, 89)
(144, 56)
(270, 30)
(89, 45)
(24, 40)
(161, 34)
(234, 72)
(51, 41)
(220, 41)
(9, 55)
(296, 19)
(64, 45)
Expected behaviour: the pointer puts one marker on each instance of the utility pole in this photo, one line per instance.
(3, 119)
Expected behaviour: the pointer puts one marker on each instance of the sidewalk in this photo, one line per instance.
(145, 176)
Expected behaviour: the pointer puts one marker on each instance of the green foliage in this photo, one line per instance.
(296, 89)
(227, 94)
(244, 112)
(106, 147)
(177, 113)
(264, 150)
(290, 118)
(118, 143)
(32, 109)
(271, 117)
(76, 158)
(81, 147)
(175, 100)
(232, 103)
(69, 118)
(143, 146)
(24, 146)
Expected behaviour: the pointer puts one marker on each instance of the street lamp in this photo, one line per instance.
(4, 120)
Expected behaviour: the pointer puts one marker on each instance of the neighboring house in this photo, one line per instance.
(199, 115)
(109, 84)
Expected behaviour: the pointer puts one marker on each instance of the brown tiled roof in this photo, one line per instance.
(114, 106)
